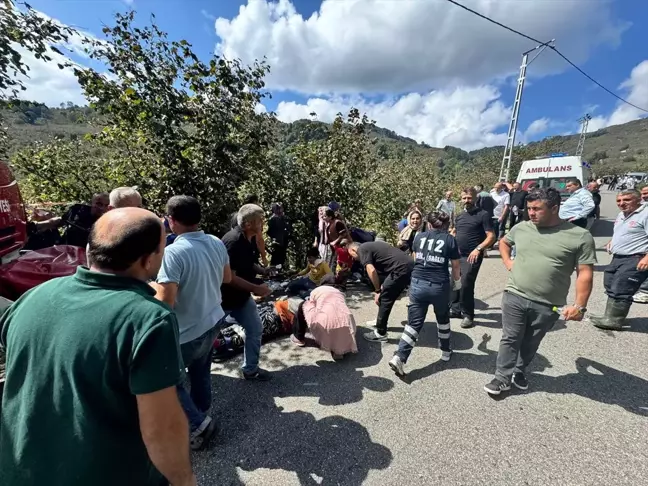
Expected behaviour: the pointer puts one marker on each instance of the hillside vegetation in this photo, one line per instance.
(614, 149)
(172, 123)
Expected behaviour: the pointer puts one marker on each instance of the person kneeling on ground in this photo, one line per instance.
(328, 319)
(430, 285)
(316, 270)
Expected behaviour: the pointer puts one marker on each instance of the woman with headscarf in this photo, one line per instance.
(414, 227)
(326, 316)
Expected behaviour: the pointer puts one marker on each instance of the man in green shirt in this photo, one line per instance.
(547, 252)
(92, 366)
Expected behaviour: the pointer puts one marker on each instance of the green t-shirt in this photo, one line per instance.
(79, 349)
(546, 258)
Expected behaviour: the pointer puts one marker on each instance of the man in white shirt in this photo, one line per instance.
(447, 205)
(502, 202)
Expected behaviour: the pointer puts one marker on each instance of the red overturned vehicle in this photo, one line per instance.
(23, 270)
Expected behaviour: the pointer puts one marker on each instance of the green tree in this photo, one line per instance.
(28, 30)
(318, 170)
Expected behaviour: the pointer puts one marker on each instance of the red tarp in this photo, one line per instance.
(36, 267)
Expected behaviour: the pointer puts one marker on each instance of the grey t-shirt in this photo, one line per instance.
(546, 258)
(631, 233)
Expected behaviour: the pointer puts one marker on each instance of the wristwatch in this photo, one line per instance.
(580, 308)
(479, 249)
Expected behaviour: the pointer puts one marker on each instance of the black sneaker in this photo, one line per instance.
(198, 441)
(520, 381)
(467, 323)
(496, 387)
(374, 337)
(258, 375)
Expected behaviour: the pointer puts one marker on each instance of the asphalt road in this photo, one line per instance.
(583, 420)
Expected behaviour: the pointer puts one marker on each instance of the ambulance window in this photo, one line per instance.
(527, 182)
(559, 183)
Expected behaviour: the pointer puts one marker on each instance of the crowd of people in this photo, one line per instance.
(113, 364)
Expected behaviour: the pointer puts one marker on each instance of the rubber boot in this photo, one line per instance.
(615, 313)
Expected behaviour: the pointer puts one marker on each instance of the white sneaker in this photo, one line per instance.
(446, 355)
(641, 297)
(397, 365)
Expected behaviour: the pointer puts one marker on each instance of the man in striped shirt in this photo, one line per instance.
(579, 205)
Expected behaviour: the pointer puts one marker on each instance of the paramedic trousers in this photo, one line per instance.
(422, 295)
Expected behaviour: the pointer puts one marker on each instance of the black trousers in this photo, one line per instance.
(392, 288)
(463, 301)
(299, 323)
(582, 222)
(278, 254)
(622, 279)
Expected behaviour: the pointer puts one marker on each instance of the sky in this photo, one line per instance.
(426, 69)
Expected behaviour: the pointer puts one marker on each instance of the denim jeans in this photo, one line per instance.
(196, 356)
(422, 295)
(248, 317)
(300, 284)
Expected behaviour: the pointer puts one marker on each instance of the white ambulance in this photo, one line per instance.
(554, 171)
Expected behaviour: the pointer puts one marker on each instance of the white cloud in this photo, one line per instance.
(48, 84)
(537, 127)
(463, 117)
(636, 87)
(360, 46)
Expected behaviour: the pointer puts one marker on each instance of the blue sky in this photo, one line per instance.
(422, 68)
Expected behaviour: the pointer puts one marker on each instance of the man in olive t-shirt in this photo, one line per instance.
(547, 252)
(92, 366)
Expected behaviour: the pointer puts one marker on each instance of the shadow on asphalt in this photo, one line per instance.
(256, 433)
(602, 228)
(597, 382)
(482, 363)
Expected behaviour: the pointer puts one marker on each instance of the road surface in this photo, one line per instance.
(583, 420)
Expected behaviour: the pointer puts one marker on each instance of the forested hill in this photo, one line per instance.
(613, 149)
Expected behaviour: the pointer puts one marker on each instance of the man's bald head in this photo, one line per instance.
(127, 239)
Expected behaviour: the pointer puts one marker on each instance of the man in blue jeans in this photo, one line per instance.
(430, 285)
(237, 301)
(193, 269)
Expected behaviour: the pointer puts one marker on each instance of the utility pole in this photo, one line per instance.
(584, 121)
(510, 139)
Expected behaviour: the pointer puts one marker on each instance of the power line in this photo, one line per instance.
(555, 49)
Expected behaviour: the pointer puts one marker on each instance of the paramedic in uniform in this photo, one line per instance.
(629, 266)
(580, 204)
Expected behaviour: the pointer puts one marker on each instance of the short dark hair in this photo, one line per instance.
(478, 187)
(469, 190)
(313, 252)
(330, 213)
(575, 181)
(138, 241)
(251, 199)
(438, 219)
(548, 195)
(185, 210)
